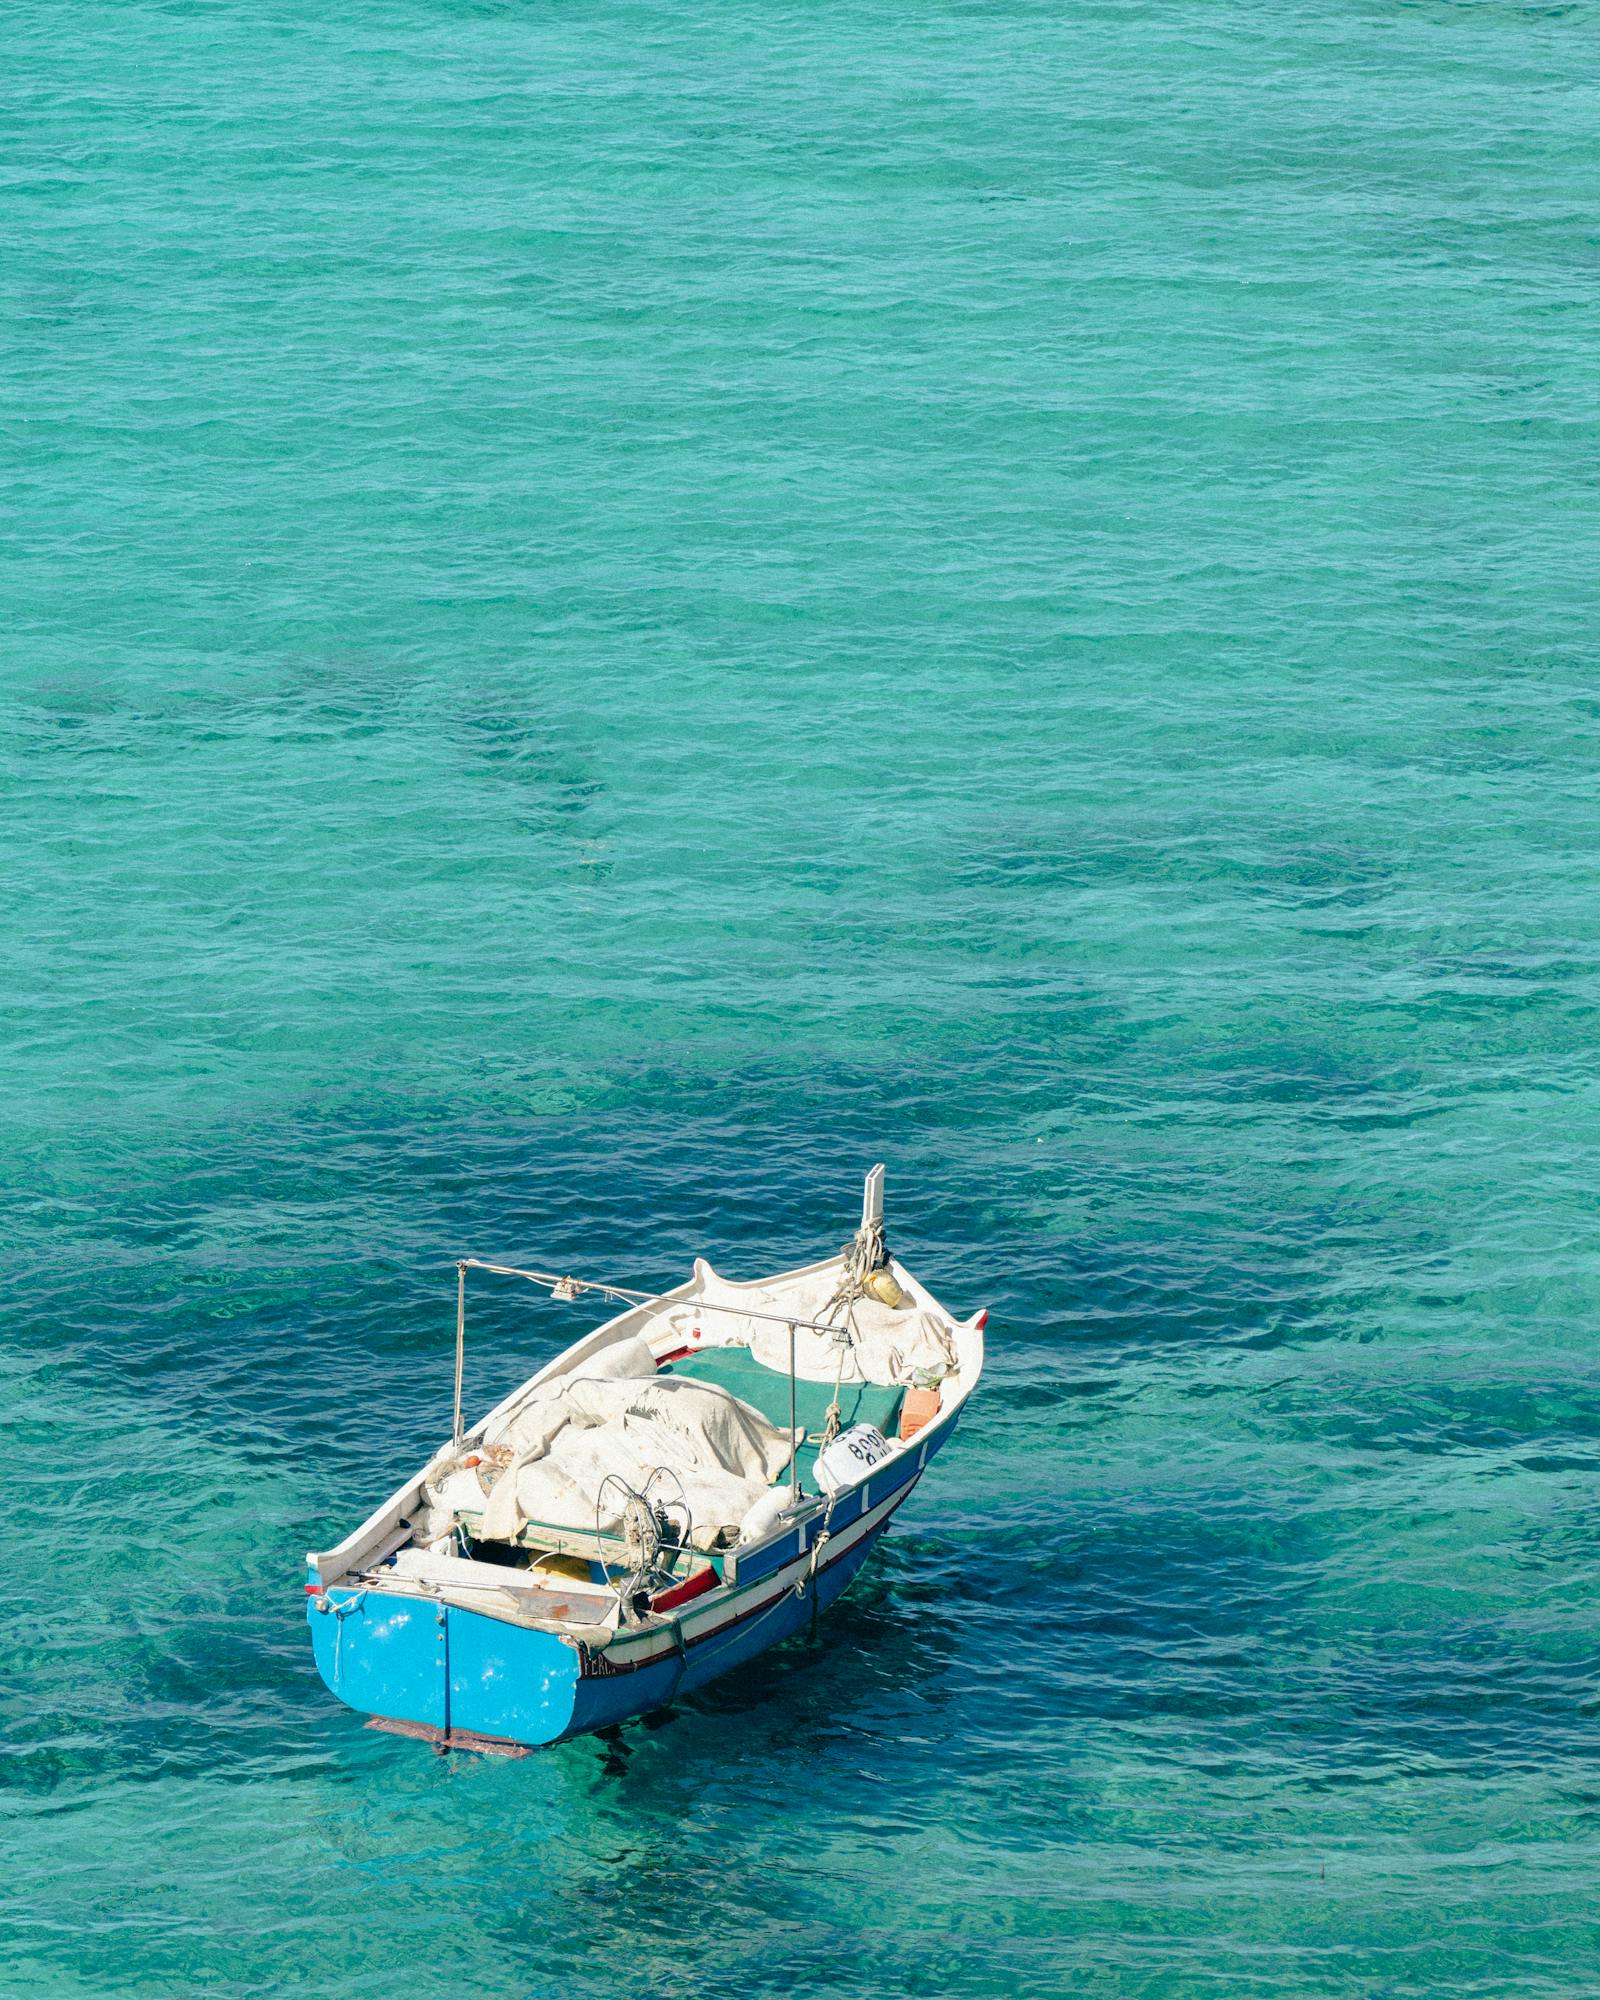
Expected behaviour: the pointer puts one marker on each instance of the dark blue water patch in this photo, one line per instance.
(282, 1353)
(1553, 1542)
(1381, 1712)
(1225, 1286)
(183, 1651)
(155, 1713)
(1028, 1397)
(761, 1185)
(1489, 969)
(872, 1647)
(536, 755)
(1211, 1569)
(286, 1274)
(1523, 1423)
(1175, 847)
(325, 699)
(1207, 1617)
(911, 1107)
(1272, 1071)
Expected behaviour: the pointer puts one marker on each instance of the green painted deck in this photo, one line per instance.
(738, 1371)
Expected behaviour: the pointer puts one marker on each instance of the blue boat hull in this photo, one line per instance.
(410, 1660)
(453, 1673)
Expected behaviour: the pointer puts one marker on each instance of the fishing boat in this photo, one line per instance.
(685, 1486)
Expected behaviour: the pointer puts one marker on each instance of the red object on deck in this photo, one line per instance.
(681, 1593)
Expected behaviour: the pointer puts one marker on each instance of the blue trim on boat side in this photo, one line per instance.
(847, 1508)
(763, 1561)
(612, 1697)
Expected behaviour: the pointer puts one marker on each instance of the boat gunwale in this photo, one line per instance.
(344, 1557)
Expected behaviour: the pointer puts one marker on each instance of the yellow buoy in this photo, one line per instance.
(881, 1286)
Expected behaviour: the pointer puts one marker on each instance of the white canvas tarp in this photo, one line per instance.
(880, 1344)
(573, 1434)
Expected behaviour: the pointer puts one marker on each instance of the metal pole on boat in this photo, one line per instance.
(794, 1484)
(461, 1340)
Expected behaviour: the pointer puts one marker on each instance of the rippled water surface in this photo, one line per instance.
(618, 610)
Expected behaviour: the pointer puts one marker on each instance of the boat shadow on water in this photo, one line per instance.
(877, 1665)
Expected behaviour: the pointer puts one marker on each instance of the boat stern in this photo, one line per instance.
(442, 1669)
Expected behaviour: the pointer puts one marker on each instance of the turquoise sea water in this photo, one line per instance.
(615, 611)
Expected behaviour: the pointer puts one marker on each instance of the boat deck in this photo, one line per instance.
(738, 1371)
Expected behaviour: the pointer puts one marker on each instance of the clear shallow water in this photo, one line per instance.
(617, 612)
